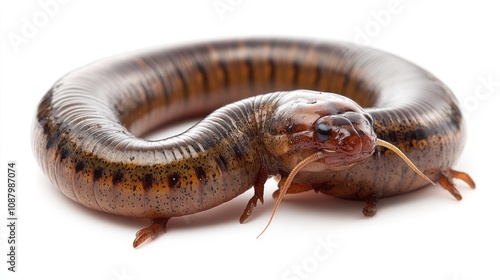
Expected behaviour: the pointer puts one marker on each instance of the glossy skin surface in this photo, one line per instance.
(88, 126)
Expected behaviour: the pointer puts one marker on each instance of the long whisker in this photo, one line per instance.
(320, 155)
(288, 183)
(403, 157)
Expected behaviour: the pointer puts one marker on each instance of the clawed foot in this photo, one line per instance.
(258, 195)
(446, 181)
(157, 227)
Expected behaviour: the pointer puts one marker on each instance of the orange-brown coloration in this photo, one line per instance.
(88, 126)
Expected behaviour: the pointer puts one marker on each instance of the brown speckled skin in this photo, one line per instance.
(87, 127)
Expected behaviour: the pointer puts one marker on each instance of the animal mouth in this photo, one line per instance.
(342, 160)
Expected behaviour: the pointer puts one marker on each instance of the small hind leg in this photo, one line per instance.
(371, 205)
(157, 227)
(446, 181)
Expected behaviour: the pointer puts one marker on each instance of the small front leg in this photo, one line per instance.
(258, 195)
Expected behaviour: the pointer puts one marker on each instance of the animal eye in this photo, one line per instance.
(324, 131)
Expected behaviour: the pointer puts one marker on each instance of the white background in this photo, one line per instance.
(421, 235)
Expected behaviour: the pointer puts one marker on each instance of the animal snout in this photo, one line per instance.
(345, 134)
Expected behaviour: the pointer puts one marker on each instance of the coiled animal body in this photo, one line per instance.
(88, 126)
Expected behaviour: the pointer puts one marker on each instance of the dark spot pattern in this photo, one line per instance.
(200, 173)
(222, 163)
(225, 73)
(173, 180)
(80, 165)
(238, 152)
(393, 136)
(117, 177)
(249, 65)
(52, 141)
(147, 181)
(216, 175)
(204, 75)
(98, 173)
(272, 69)
(184, 82)
(296, 69)
(43, 123)
(65, 152)
(418, 134)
